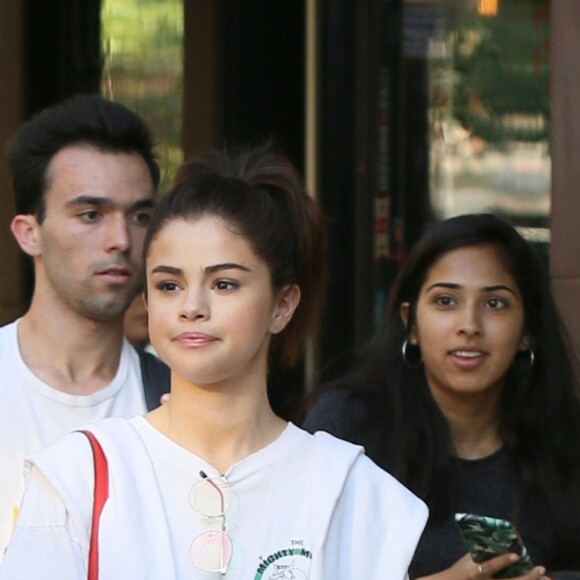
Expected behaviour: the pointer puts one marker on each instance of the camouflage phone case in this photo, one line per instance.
(487, 537)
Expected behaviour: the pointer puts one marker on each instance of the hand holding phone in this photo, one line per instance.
(487, 537)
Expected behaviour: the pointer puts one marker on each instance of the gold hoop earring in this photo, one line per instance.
(404, 354)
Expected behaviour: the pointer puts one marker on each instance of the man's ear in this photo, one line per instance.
(286, 303)
(404, 311)
(25, 230)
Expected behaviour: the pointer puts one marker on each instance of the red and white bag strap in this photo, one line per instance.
(101, 494)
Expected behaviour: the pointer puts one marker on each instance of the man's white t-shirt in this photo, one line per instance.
(34, 414)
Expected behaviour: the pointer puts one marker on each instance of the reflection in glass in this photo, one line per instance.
(143, 68)
(489, 110)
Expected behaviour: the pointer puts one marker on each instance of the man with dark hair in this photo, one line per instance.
(84, 175)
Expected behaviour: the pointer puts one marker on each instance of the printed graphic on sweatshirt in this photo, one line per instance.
(286, 564)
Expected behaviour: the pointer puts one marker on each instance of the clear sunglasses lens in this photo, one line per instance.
(212, 551)
(207, 500)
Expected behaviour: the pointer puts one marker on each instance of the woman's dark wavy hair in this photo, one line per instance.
(406, 432)
(260, 195)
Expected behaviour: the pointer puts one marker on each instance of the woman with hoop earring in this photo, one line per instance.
(467, 395)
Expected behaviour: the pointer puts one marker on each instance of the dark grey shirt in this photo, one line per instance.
(483, 487)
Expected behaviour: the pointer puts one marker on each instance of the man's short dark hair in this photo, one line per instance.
(89, 119)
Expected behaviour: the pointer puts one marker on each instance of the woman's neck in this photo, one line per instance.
(474, 425)
(475, 443)
(222, 425)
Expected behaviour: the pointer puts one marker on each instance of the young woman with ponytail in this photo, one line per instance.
(214, 483)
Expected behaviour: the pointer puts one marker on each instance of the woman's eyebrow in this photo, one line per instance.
(454, 286)
(496, 287)
(167, 270)
(226, 266)
(208, 269)
(450, 285)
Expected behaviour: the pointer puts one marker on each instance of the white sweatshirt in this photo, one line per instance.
(306, 507)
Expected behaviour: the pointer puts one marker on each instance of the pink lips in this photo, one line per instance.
(194, 339)
(468, 358)
(115, 274)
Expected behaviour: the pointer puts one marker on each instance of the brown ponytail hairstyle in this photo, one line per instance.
(259, 194)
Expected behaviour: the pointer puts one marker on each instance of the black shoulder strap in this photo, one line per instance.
(156, 378)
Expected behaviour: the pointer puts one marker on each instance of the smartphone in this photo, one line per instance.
(487, 537)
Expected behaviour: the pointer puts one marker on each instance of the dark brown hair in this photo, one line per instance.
(90, 119)
(258, 193)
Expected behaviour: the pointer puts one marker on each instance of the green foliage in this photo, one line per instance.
(142, 45)
(502, 70)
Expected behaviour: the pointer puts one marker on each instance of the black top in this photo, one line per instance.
(483, 487)
(156, 378)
